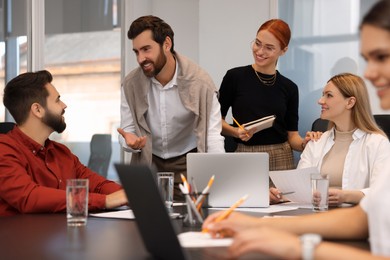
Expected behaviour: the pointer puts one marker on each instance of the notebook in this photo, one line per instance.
(158, 233)
(236, 174)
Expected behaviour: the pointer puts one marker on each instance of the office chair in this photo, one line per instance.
(100, 156)
(383, 122)
(5, 127)
(320, 125)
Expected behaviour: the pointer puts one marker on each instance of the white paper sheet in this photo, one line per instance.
(270, 209)
(124, 214)
(297, 180)
(199, 239)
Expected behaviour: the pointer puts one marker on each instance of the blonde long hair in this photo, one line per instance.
(351, 85)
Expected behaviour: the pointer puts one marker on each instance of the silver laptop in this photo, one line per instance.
(236, 174)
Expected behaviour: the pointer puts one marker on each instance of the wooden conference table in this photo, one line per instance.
(46, 236)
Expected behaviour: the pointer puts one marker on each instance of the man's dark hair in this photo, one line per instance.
(160, 29)
(24, 90)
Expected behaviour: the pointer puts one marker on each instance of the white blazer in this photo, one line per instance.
(366, 158)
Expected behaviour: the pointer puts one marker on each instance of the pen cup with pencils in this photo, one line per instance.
(197, 205)
(201, 204)
(204, 201)
(196, 202)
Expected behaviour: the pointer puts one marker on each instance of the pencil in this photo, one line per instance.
(229, 211)
(185, 182)
(240, 126)
(199, 201)
(287, 193)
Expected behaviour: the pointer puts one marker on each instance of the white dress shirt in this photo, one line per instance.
(377, 207)
(171, 124)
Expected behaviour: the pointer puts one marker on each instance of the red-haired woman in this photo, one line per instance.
(258, 90)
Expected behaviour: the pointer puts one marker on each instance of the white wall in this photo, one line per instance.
(215, 34)
(226, 28)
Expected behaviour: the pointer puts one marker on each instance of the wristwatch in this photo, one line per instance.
(309, 243)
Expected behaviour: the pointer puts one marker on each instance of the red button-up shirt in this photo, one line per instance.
(33, 177)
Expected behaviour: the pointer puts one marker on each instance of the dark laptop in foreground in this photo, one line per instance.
(153, 221)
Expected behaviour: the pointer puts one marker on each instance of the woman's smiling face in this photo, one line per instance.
(375, 49)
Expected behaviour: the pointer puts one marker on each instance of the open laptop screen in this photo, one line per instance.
(236, 174)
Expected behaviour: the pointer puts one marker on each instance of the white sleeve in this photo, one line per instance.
(380, 156)
(306, 156)
(127, 122)
(215, 141)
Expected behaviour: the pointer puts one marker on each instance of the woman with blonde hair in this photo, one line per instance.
(354, 149)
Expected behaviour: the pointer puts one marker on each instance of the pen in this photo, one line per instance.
(229, 211)
(240, 126)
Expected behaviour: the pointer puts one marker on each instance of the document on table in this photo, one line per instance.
(199, 239)
(270, 209)
(296, 181)
(124, 214)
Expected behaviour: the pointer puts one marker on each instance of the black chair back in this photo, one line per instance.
(383, 122)
(320, 125)
(5, 127)
(100, 157)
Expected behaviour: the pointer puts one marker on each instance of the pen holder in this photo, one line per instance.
(204, 200)
(192, 223)
(194, 217)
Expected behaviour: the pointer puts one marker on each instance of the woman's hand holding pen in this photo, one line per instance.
(133, 141)
(250, 235)
(228, 227)
(244, 135)
(274, 196)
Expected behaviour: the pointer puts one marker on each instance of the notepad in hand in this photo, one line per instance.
(260, 124)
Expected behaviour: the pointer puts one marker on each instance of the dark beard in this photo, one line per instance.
(54, 121)
(158, 65)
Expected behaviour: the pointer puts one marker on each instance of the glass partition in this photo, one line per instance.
(13, 45)
(323, 44)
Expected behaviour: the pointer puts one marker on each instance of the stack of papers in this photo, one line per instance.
(123, 214)
(260, 124)
(296, 181)
(199, 239)
(270, 209)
